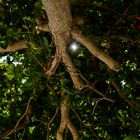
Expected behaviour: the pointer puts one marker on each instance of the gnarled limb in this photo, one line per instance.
(65, 122)
(54, 64)
(77, 35)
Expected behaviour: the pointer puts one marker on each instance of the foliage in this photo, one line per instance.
(22, 75)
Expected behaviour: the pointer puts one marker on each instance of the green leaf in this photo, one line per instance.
(9, 73)
(130, 138)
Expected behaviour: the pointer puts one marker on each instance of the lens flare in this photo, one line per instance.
(74, 46)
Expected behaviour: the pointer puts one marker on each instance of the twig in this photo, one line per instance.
(93, 88)
(77, 115)
(122, 95)
(104, 97)
(19, 120)
(124, 13)
(84, 124)
(87, 85)
(96, 106)
(36, 60)
(51, 122)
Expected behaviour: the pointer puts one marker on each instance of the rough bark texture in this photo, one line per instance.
(60, 26)
(64, 117)
(54, 63)
(59, 16)
(65, 121)
(60, 23)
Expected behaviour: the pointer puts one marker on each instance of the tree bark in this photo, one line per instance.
(19, 45)
(65, 121)
(64, 117)
(60, 23)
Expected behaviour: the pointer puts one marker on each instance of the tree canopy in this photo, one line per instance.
(69, 69)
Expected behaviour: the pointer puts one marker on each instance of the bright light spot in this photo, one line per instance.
(23, 81)
(103, 44)
(99, 13)
(123, 83)
(74, 46)
(126, 51)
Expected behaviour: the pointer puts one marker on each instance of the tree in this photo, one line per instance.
(53, 89)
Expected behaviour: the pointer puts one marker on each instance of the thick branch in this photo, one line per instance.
(73, 130)
(60, 22)
(15, 46)
(76, 34)
(77, 82)
(59, 16)
(64, 117)
(65, 122)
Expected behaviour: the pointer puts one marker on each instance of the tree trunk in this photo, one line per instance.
(60, 23)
